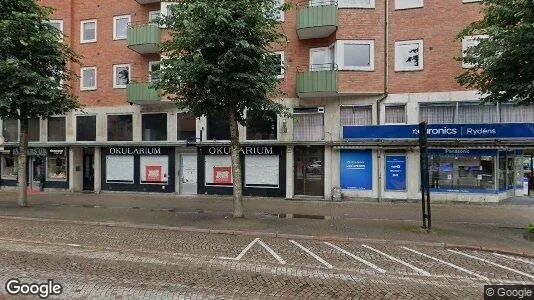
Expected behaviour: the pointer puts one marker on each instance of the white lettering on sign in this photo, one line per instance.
(135, 151)
(247, 150)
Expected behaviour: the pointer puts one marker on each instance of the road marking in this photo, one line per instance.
(420, 271)
(324, 262)
(514, 258)
(247, 248)
(492, 263)
(447, 263)
(375, 267)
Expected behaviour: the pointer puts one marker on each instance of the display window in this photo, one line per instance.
(154, 169)
(120, 169)
(9, 166)
(56, 165)
(262, 171)
(218, 170)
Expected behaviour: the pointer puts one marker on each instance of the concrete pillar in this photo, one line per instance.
(98, 169)
(328, 173)
(76, 169)
(290, 189)
(136, 124)
(172, 126)
(177, 173)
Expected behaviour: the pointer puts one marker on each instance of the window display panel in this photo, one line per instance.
(9, 167)
(218, 170)
(462, 171)
(56, 165)
(154, 169)
(262, 170)
(119, 169)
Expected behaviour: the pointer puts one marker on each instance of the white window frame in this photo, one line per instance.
(331, 49)
(282, 13)
(150, 64)
(93, 88)
(465, 45)
(405, 105)
(61, 28)
(343, 4)
(401, 4)
(115, 85)
(115, 37)
(82, 23)
(421, 56)
(66, 129)
(340, 51)
(282, 63)
(158, 12)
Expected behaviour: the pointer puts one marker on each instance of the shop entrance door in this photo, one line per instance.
(188, 174)
(36, 174)
(309, 171)
(88, 169)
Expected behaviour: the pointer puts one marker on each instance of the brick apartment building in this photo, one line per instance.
(358, 76)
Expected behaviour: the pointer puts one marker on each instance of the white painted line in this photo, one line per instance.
(312, 254)
(492, 263)
(242, 252)
(74, 245)
(278, 258)
(447, 263)
(375, 267)
(420, 271)
(514, 258)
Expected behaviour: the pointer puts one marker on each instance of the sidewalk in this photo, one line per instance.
(494, 226)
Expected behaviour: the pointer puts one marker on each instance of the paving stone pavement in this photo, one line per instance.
(114, 262)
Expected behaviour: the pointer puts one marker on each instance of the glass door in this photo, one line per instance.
(309, 171)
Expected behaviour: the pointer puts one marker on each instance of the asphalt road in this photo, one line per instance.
(115, 262)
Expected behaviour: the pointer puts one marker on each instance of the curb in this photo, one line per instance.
(488, 249)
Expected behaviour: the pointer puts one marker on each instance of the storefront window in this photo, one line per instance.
(56, 165)
(119, 169)
(154, 127)
(218, 128)
(262, 170)
(502, 170)
(261, 127)
(10, 130)
(56, 129)
(154, 169)
(218, 170)
(34, 130)
(86, 128)
(120, 128)
(462, 170)
(9, 166)
(187, 125)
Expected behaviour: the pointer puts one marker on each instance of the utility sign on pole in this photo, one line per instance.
(425, 184)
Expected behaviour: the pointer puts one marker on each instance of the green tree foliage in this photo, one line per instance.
(33, 64)
(218, 63)
(504, 61)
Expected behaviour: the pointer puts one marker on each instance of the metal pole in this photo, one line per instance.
(423, 169)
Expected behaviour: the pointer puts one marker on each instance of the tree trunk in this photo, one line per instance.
(22, 162)
(235, 147)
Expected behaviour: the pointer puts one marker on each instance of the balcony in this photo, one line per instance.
(144, 38)
(142, 93)
(147, 1)
(318, 20)
(318, 81)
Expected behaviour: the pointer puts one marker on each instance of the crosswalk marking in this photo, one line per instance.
(492, 263)
(514, 258)
(375, 267)
(418, 270)
(312, 254)
(447, 263)
(247, 248)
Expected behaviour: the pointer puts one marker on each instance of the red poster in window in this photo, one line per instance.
(153, 173)
(222, 175)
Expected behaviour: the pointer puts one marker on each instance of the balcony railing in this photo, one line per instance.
(142, 93)
(316, 19)
(144, 38)
(319, 80)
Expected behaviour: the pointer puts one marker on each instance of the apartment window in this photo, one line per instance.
(120, 27)
(187, 126)
(154, 127)
(86, 128)
(153, 68)
(34, 130)
(10, 130)
(88, 31)
(396, 114)
(308, 124)
(261, 125)
(58, 24)
(474, 113)
(356, 115)
(153, 17)
(57, 130)
(469, 42)
(511, 113)
(120, 127)
(322, 59)
(409, 55)
(405, 4)
(280, 16)
(437, 114)
(121, 76)
(218, 128)
(166, 8)
(355, 55)
(88, 79)
(354, 3)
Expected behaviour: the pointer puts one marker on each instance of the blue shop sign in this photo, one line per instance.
(356, 170)
(441, 131)
(396, 172)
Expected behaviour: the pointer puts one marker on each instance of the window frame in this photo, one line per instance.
(282, 63)
(339, 55)
(465, 41)
(48, 128)
(82, 23)
(275, 129)
(61, 24)
(420, 67)
(166, 127)
(150, 64)
(131, 114)
(400, 6)
(121, 86)
(341, 4)
(354, 106)
(115, 19)
(76, 127)
(404, 105)
(82, 77)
